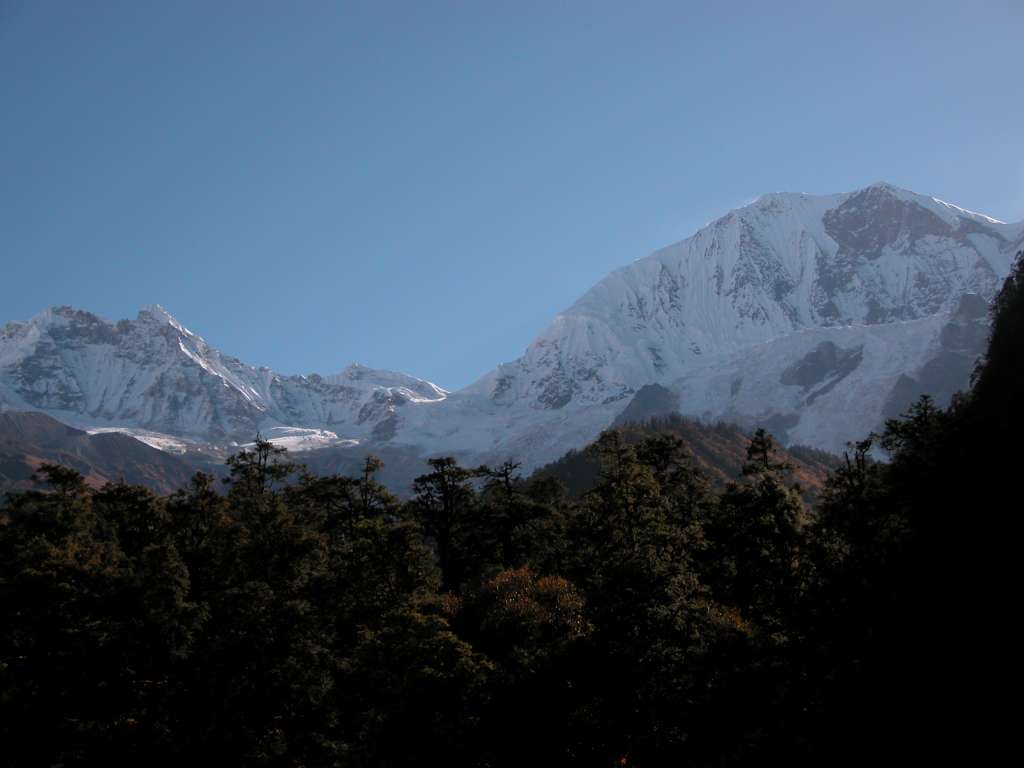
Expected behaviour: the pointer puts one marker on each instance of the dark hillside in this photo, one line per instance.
(719, 449)
(28, 440)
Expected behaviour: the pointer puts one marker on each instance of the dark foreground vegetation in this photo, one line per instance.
(490, 621)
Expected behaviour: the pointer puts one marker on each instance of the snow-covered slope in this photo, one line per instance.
(816, 315)
(783, 264)
(154, 374)
(880, 270)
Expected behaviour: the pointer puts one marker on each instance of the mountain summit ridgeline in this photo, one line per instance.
(814, 316)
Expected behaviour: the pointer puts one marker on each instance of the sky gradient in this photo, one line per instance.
(422, 186)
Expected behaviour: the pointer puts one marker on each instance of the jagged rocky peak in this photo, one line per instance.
(58, 317)
(67, 325)
(157, 315)
(64, 315)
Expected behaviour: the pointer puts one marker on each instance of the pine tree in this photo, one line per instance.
(761, 455)
(757, 539)
(444, 505)
(256, 471)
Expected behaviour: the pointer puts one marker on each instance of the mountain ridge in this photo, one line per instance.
(867, 283)
(30, 440)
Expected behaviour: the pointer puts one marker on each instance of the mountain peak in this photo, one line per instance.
(355, 372)
(154, 313)
(887, 189)
(62, 315)
(773, 201)
(887, 186)
(945, 210)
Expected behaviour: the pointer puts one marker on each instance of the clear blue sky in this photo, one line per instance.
(422, 186)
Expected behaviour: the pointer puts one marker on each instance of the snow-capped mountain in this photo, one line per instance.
(786, 263)
(869, 280)
(818, 316)
(156, 377)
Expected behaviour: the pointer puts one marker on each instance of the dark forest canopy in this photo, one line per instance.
(658, 618)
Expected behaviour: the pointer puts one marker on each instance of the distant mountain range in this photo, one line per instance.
(815, 316)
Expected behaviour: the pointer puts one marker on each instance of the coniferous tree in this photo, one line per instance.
(444, 505)
(758, 537)
(650, 615)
